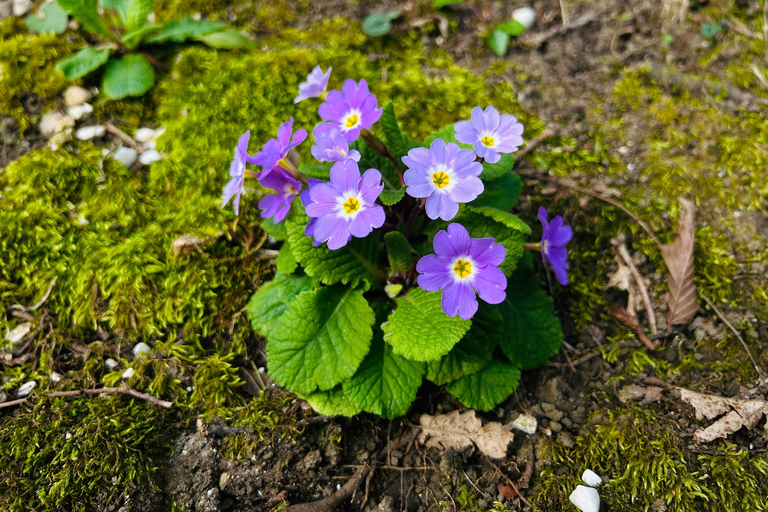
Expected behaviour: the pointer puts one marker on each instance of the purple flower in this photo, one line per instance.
(275, 150)
(351, 110)
(553, 240)
(330, 145)
(346, 206)
(285, 186)
(445, 174)
(462, 266)
(234, 186)
(309, 230)
(490, 134)
(315, 86)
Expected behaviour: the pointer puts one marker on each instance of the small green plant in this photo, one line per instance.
(498, 33)
(120, 28)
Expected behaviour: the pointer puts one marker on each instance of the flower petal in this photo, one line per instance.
(490, 284)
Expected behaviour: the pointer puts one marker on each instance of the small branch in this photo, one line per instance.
(120, 134)
(537, 39)
(624, 253)
(509, 481)
(336, 498)
(125, 390)
(548, 132)
(41, 302)
(525, 479)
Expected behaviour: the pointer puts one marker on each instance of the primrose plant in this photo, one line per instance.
(400, 259)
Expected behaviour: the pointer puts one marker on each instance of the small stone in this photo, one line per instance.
(149, 157)
(144, 135)
(80, 111)
(585, 499)
(55, 377)
(18, 332)
(223, 480)
(565, 440)
(26, 388)
(141, 349)
(524, 16)
(54, 122)
(110, 363)
(525, 423)
(127, 374)
(75, 96)
(591, 478)
(6, 10)
(90, 132)
(126, 156)
(21, 7)
(150, 144)
(555, 426)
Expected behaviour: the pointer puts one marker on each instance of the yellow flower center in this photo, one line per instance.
(351, 205)
(487, 141)
(440, 179)
(352, 121)
(291, 189)
(463, 268)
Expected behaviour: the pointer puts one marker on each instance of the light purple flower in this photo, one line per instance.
(315, 86)
(285, 186)
(346, 205)
(461, 266)
(309, 230)
(490, 134)
(445, 174)
(234, 186)
(553, 240)
(351, 110)
(330, 145)
(275, 150)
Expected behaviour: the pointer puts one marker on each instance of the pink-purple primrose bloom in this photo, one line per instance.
(309, 230)
(461, 266)
(351, 110)
(275, 150)
(445, 174)
(285, 186)
(330, 145)
(315, 86)
(553, 240)
(490, 134)
(234, 187)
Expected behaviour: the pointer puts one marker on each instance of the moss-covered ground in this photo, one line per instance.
(104, 236)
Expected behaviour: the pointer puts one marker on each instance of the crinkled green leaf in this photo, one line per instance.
(134, 37)
(53, 20)
(131, 13)
(532, 333)
(228, 38)
(286, 261)
(508, 219)
(392, 197)
(321, 340)
(398, 252)
(278, 230)
(487, 388)
(320, 172)
(473, 352)
(501, 193)
(273, 299)
(83, 62)
(483, 224)
(498, 40)
(393, 137)
(370, 160)
(132, 75)
(386, 383)
(85, 12)
(419, 329)
(186, 28)
(500, 168)
(379, 23)
(333, 402)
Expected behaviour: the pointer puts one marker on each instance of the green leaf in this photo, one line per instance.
(370, 160)
(83, 62)
(321, 340)
(532, 333)
(355, 263)
(180, 31)
(131, 13)
(480, 225)
(399, 252)
(379, 23)
(508, 219)
(393, 137)
(229, 38)
(392, 197)
(710, 30)
(448, 134)
(498, 40)
(286, 261)
(133, 38)
(273, 299)
(85, 12)
(132, 75)
(320, 172)
(473, 352)
(499, 169)
(278, 231)
(386, 383)
(487, 388)
(419, 329)
(53, 21)
(443, 3)
(511, 28)
(333, 402)
(501, 193)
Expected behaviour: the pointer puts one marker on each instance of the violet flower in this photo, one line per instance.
(553, 240)
(285, 186)
(445, 174)
(346, 205)
(309, 230)
(461, 266)
(490, 134)
(234, 187)
(331, 146)
(275, 150)
(315, 86)
(351, 110)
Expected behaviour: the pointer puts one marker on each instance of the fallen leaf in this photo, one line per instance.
(188, 243)
(508, 492)
(458, 431)
(622, 279)
(631, 322)
(734, 413)
(646, 395)
(679, 259)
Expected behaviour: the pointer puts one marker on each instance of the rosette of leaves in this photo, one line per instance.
(122, 31)
(350, 331)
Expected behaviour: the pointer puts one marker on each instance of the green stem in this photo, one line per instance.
(533, 246)
(380, 149)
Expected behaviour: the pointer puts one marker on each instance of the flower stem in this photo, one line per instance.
(380, 149)
(533, 246)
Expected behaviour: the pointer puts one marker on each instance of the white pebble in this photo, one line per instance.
(126, 156)
(591, 478)
(524, 16)
(68, 436)
(150, 144)
(26, 388)
(55, 377)
(20, 7)
(75, 95)
(54, 122)
(90, 132)
(111, 363)
(525, 423)
(141, 349)
(127, 374)
(149, 157)
(80, 111)
(18, 332)
(585, 499)
(144, 134)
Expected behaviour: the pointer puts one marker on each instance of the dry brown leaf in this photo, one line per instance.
(622, 279)
(734, 413)
(679, 259)
(185, 244)
(459, 431)
(646, 395)
(631, 322)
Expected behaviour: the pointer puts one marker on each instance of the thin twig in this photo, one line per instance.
(41, 302)
(564, 13)
(760, 372)
(117, 132)
(336, 498)
(509, 481)
(624, 253)
(548, 132)
(125, 390)
(525, 479)
(535, 40)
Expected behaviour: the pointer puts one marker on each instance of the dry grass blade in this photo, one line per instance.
(458, 431)
(679, 259)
